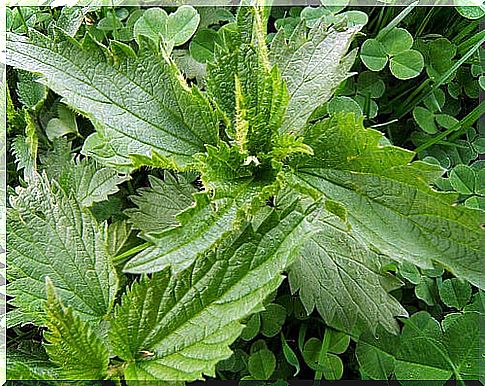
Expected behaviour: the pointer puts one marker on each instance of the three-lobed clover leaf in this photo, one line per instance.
(393, 46)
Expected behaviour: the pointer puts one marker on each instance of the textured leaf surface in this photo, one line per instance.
(49, 234)
(242, 81)
(336, 273)
(201, 228)
(90, 183)
(376, 353)
(428, 353)
(161, 114)
(71, 343)
(389, 201)
(29, 361)
(158, 205)
(313, 65)
(165, 318)
(232, 194)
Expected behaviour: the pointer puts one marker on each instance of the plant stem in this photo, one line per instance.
(131, 252)
(465, 123)
(323, 353)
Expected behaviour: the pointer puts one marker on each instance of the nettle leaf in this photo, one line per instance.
(50, 234)
(158, 205)
(162, 113)
(30, 93)
(29, 361)
(243, 66)
(389, 201)
(311, 63)
(201, 228)
(234, 192)
(71, 343)
(226, 286)
(88, 182)
(339, 276)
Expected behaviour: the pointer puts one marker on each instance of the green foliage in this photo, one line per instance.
(51, 234)
(71, 344)
(425, 350)
(169, 167)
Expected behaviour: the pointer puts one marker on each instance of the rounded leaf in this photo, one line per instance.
(455, 293)
(182, 24)
(311, 15)
(425, 119)
(353, 18)
(407, 64)
(373, 55)
(344, 104)
(339, 342)
(396, 41)
(152, 24)
(202, 45)
(427, 291)
(252, 327)
(472, 12)
(462, 178)
(262, 364)
(311, 351)
(333, 368)
(272, 319)
(369, 83)
(446, 121)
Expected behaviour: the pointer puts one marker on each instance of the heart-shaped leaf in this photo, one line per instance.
(407, 64)
(396, 41)
(373, 55)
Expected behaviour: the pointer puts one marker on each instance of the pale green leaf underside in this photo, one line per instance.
(313, 65)
(158, 204)
(389, 201)
(29, 361)
(51, 235)
(140, 100)
(72, 345)
(187, 321)
(89, 183)
(202, 227)
(336, 273)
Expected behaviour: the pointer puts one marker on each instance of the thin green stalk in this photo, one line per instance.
(394, 22)
(472, 41)
(131, 252)
(409, 100)
(323, 353)
(443, 78)
(22, 19)
(464, 32)
(425, 22)
(463, 59)
(465, 123)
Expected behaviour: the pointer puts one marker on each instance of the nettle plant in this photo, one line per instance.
(329, 203)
